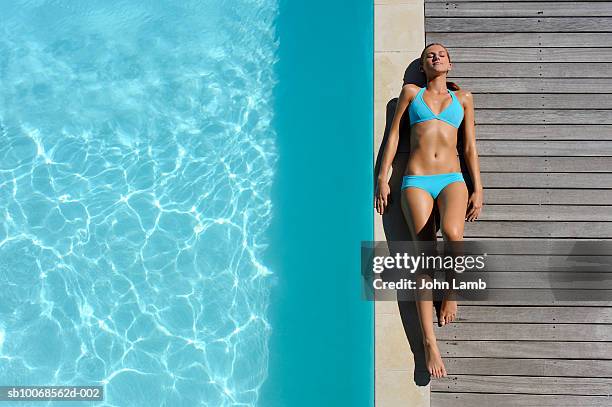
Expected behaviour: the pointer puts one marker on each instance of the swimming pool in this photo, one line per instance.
(175, 223)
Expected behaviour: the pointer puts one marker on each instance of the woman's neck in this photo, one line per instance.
(437, 85)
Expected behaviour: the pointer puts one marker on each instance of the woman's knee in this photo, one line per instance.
(452, 232)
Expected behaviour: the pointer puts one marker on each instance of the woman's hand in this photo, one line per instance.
(383, 192)
(474, 205)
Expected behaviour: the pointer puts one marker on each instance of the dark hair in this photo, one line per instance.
(449, 85)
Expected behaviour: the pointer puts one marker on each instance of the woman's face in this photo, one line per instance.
(435, 61)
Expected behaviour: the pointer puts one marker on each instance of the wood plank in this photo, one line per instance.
(556, 251)
(537, 85)
(527, 70)
(526, 54)
(578, 386)
(548, 196)
(545, 164)
(542, 132)
(529, 367)
(520, 24)
(546, 212)
(534, 296)
(547, 180)
(534, 148)
(526, 349)
(534, 279)
(513, 400)
(511, 39)
(536, 302)
(484, 101)
(571, 315)
(518, 9)
(545, 148)
(542, 264)
(542, 116)
(539, 302)
(573, 230)
(524, 332)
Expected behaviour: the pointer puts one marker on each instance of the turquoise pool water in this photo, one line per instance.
(322, 332)
(183, 189)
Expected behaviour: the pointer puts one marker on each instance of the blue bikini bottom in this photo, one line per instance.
(433, 184)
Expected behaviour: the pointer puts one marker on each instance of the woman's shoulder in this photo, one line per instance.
(465, 96)
(410, 87)
(409, 91)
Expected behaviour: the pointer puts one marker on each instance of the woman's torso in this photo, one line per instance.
(433, 138)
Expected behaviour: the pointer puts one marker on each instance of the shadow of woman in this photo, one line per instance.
(394, 224)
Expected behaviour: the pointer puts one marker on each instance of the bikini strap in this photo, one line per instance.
(420, 94)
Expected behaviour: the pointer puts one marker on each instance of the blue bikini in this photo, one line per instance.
(420, 112)
(434, 184)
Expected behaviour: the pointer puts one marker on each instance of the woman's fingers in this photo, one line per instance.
(382, 199)
(470, 210)
(470, 215)
(379, 205)
(476, 212)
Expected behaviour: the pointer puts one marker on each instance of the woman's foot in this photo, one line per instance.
(435, 365)
(448, 312)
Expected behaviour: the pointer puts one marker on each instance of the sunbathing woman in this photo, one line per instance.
(433, 173)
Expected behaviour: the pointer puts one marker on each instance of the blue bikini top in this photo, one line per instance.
(420, 112)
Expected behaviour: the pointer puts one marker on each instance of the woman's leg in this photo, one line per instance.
(452, 205)
(417, 207)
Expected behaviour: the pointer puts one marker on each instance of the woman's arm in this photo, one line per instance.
(471, 157)
(382, 190)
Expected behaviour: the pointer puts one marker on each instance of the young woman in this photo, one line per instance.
(433, 173)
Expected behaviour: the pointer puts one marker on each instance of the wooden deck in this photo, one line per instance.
(541, 75)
